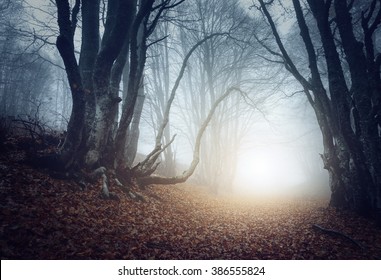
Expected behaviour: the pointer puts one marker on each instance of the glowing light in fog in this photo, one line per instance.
(268, 170)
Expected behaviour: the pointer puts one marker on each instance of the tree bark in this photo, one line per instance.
(106, 103)
(138, 49)
(89, 51)
(354, 172)
(132, 143)
(345, 156)
(361, 91)
(65, 47)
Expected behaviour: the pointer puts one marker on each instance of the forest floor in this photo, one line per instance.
(47, 218)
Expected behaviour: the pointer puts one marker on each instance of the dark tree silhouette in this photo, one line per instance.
(348, 116)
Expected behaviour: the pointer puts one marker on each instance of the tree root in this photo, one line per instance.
(338, 233)
(133, 195)
(101, 172)
(97, 173)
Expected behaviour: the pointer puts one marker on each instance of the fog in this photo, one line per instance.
(266, 142)
(281, 155)
(278, 154)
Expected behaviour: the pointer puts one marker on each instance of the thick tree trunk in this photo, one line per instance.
(346, 151)
(351, 179)
(349, 176)
(362, 93)
(89, 52)
(116, 33)
(138, 50)
(65, 46)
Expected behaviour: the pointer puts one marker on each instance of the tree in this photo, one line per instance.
(94, 81)
(93, 137)
(346, 115)
(147, 166)
(159, 79)
(148, 180)
(217, 65)
(24, 76)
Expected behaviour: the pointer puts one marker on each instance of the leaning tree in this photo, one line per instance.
(346, 102)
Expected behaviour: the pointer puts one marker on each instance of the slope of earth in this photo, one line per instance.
(46, 218)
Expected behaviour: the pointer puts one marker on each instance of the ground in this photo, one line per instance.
(47, 218)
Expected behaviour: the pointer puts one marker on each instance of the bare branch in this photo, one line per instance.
(157, 41)
(172, 97)
(196, 153)
(290, 66)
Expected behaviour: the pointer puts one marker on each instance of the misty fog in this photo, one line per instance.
(264, 143)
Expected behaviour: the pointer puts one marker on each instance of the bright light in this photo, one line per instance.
(268, 171)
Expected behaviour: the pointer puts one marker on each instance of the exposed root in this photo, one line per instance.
(105, 191)
(101, 172)
(334, 232)
(97, 173)
(133, 195)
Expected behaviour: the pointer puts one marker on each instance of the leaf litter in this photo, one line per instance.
(47, 218)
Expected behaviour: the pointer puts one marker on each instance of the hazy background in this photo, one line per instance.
(266, 144)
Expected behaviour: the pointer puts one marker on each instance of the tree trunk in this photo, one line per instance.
(65, 47)
(134, 132)
(89, 52)
(350, 176)
(116, 34)
(345, 156)
(137, 61)
(138, 49)
(362, 93)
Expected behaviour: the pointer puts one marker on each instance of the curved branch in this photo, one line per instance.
(146, 166)
(165, 121)
(144, 181)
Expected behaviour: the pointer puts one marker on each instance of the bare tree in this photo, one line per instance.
(159, 85)
(218, 64)
(154, 179)
(24, 77)
(94, 81)
(346, 116)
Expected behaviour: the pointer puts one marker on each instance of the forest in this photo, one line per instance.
(190, 129)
